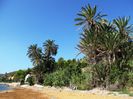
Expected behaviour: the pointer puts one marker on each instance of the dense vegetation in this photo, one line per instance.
(108, 52)
(68, 73)
(107, 47)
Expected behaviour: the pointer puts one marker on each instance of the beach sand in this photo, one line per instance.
(63, 94)
(21, 93)
(53, 93)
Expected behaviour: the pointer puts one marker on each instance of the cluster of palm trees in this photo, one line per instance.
(106, 45)
(42, 60)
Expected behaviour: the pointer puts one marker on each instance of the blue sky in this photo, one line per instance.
(26, 22)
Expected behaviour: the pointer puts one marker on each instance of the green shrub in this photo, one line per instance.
(48, 80)
(82, 81)
(130, 79)
(60, 79)
(20, 74)
(70, 74)
(57, 78)
(22, 82)
(31, 81)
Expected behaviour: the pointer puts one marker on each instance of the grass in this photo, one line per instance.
(126, 91)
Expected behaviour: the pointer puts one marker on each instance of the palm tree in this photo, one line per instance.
(87, 44)
(50, 48)
(124, 29)
(43, 61)
(35, 54)
(122, 25)
(88, 17)
(109, 41)
(105, 44)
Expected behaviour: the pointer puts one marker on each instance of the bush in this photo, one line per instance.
(20, 74)
(60, 79)
(71, 76)
(31, 81)
(22, 82)
(82, 81)
(48, 80)
(130, 79)
(57, 78)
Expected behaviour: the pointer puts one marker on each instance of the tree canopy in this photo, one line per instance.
(105, 44)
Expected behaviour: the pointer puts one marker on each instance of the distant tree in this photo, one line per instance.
(19, 75)
(43, 61)
(61, 63)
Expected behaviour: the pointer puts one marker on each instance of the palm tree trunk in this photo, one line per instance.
(108, 69)
(109, 58)
(114, 57)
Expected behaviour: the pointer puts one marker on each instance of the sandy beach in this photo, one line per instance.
(66, 49)
(67, 94)
(22, 93)
(40, 92)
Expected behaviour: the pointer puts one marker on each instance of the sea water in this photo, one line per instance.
(4, 87)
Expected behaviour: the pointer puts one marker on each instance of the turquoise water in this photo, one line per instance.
(4, 87)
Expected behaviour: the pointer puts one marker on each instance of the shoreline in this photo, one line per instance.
(7, 87)
(11, 85)
(67, 93)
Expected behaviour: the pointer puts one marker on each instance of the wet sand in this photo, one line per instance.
(20, 93)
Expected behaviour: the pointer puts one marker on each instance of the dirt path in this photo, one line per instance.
(22, 94)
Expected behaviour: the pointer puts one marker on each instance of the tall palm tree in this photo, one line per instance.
(43, 61)
(122, 24)
(124, 29)
(106, 44)
(87, 43)
(109, 41)
(88, 17)
(35, 54)
(50, 48)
